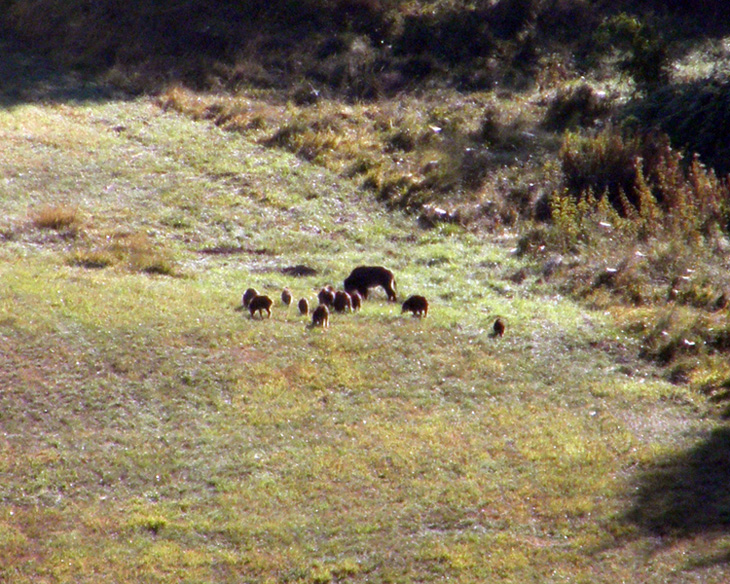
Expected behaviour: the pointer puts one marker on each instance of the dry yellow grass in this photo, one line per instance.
(56, 217)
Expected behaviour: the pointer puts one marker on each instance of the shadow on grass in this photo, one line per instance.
(688, 494)
(28, 78)
(695, 115)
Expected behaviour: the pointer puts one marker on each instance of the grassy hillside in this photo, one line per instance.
(154, 432)
(528, 159)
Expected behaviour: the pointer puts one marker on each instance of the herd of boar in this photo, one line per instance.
(356, 287)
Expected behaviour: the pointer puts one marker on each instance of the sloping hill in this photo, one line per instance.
(153, 432)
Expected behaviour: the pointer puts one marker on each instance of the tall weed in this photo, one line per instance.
(645, 180)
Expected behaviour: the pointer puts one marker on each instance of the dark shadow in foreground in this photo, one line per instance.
(688, 494)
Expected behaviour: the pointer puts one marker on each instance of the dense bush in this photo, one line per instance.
(446, 40)
(575, 106)
(639, 182)
(453, 37)
(608, 164)
(645, 50)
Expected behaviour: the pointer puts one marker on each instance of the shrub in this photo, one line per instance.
(137, 252)
(605, 164)
(92, 258)
(646, 52)
(509, 17)
(143, 256)
(57, 217)
(645, 180)
(288, 136)
(561, 18)
(679, 334)
(452, 36)
(575, 106)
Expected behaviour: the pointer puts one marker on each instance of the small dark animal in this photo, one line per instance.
(321, 316)
(248, 296)
(326, 296)
(299, 271)
(260, 304)
(343, 301)
(303, 306)
(498, 328)
(418, 305)
(356, 300)
(364, 277)
(286, 296)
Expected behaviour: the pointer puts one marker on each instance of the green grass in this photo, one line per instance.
(152, 432)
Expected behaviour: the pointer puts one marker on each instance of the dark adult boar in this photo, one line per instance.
(364, 277)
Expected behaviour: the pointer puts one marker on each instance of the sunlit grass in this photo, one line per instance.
(407, 151)
(152, 431)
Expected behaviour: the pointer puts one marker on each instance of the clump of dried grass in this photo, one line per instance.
(56, 217)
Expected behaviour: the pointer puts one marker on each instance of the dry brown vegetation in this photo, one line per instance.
(56, 217)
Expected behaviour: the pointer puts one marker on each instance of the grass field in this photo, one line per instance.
(153, 432)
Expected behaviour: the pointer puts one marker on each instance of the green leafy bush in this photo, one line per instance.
(604, 164)
(645, 51)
